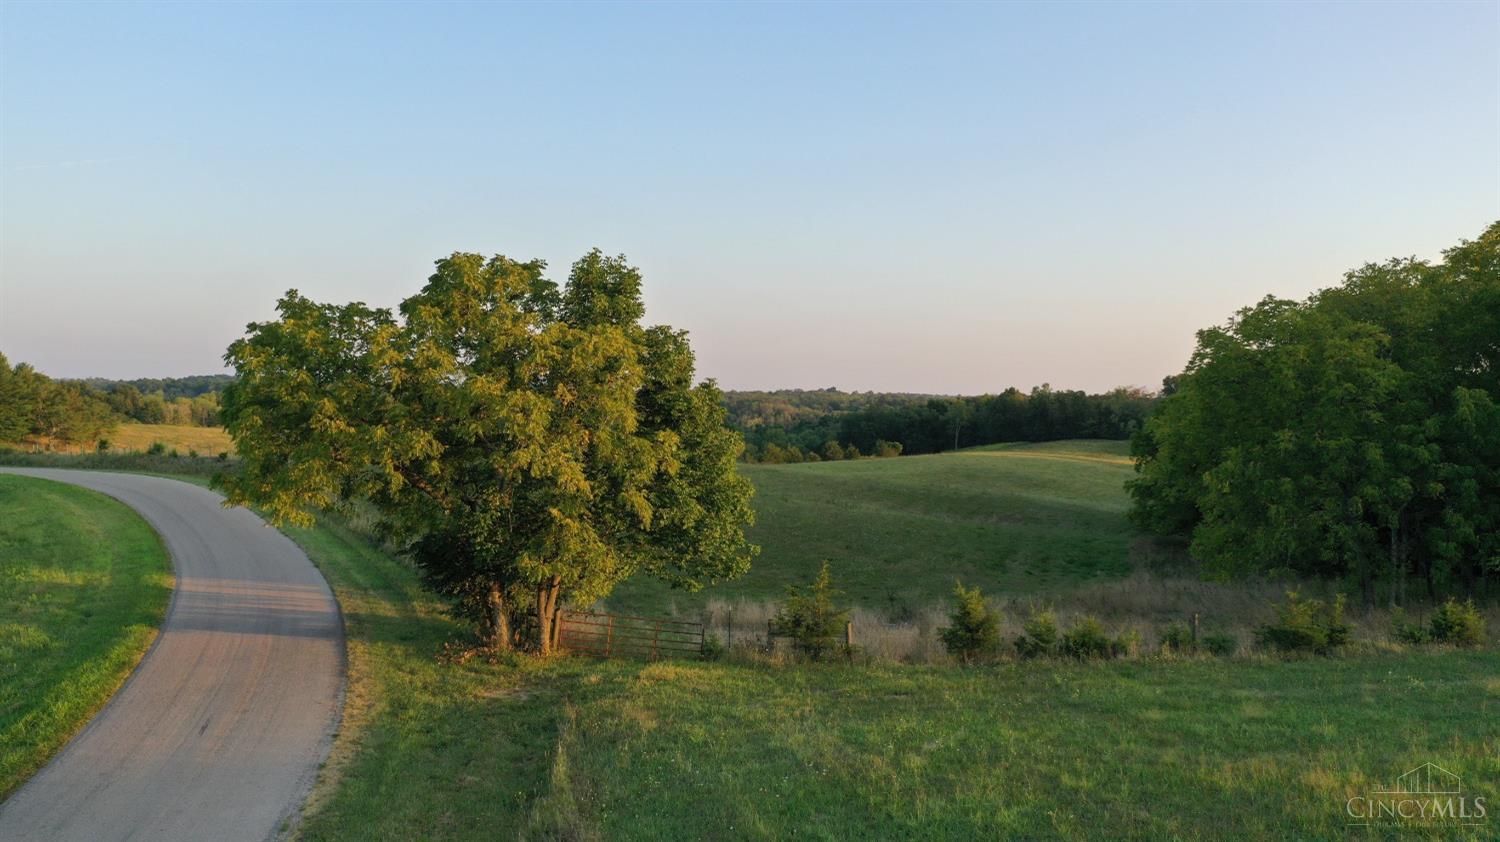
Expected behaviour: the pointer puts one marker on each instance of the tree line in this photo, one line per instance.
(200, 410)
(34, 406)
(81, 413)
(1352, 436)
(931, 424)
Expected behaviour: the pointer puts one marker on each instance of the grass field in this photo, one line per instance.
(1011, 519)
(1155, 749)
(84, 583)
(207, 441)
(1196, 749)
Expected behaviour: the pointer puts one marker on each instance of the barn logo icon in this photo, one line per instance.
(1429, 779)
(1427, 796)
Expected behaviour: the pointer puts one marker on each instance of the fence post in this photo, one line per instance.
(655, 637)
(609, 637)
(703, 637)
(729, 630)
(849, 640)
(1195, 628)
(769, 644)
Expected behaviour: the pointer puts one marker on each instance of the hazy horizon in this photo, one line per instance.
(946, 199)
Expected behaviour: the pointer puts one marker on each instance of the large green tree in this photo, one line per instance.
(1355, 434)
(532, 445)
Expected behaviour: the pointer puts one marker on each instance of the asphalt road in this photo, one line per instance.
(220, 730)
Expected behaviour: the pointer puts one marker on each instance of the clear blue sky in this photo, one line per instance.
(909, 197)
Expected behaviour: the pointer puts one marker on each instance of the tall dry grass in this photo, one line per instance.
(1144, 603)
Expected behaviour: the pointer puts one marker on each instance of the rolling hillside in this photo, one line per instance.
(897, 532)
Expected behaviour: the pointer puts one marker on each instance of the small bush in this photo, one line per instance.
(1405, 631)
(223, 456)
(886, 449)
(156, 449)
(1221, 644)
(192, 453)
(1127, 645)
(1087, 640)
(103, 446)
(1039, 637)
(1306, 625)
(174, 454)
(976, 627)
(1458, 624)
(713, 648)
(810, 618)
(1177, 638)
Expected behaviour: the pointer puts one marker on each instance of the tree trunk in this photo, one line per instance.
(546, 614)
(1398, 576)
(499, 619)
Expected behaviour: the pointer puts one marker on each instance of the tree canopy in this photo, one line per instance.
(1353, 435)
(531, 444)
(36, 408)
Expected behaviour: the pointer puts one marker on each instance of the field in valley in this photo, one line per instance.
(84, 583)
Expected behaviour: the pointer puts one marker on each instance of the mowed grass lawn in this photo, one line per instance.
(84, 583)
(897, 532)
(578, 749)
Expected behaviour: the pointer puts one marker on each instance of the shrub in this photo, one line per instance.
(192, 453)
(1039, 635)
(103, 446)
(156, 449)
(810, 618)
(1220, 644)
(1177, 638)
(713, 647)
(1458, 624)
(1306, 625)
(223, 456)
(1087, 640)
(1405, 631)
(885, 448)
(976, 627)
(1126, 645)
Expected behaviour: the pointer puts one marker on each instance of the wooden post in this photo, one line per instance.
(729, 630)
(703, 638)
(849, 640)
(1195, 628)
(655, 637)
(609, 637)
(769, 644)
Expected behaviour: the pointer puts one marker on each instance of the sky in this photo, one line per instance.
(906, 197)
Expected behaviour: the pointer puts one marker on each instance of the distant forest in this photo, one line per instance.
(786, 425)
(794, 425)
(170, 388)
(38, 409)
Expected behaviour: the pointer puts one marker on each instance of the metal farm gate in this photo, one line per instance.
(622, 635)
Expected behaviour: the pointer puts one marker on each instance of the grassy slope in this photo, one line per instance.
(84, 583)
(580, 749)
(1022, 518)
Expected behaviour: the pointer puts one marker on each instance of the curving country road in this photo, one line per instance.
(221, 728)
